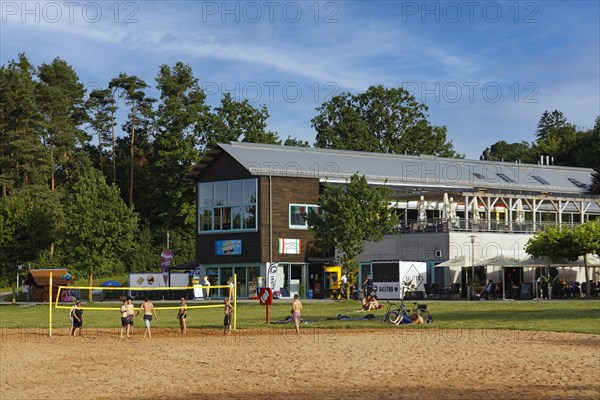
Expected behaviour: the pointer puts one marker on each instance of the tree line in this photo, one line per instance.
(92, 180)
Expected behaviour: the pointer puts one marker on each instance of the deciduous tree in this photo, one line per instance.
(350, 215)
(385, 120)
(99, 228)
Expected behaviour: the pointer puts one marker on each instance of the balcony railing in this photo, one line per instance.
(438, 225)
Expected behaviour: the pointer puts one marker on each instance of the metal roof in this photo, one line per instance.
(399, 170)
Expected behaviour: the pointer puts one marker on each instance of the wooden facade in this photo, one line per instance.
(302, 191)
(276, 191)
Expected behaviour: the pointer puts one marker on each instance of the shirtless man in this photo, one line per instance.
(148, 309)
(124, 319)
(182, 315)
(130, 314)
(296, 313)
(228, 308)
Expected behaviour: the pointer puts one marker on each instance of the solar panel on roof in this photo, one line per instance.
(540, 180)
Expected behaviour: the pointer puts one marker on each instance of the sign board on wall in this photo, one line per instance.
(228, 247)
(154, 279)
(388, 277)
(290, 246)
(165, 264)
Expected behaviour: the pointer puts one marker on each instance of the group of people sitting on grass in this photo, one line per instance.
(370, 303)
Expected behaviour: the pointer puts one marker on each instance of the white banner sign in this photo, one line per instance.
(389, 278)
(272, 275)
(387, 290)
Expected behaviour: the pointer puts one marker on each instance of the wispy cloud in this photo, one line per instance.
(351, 45)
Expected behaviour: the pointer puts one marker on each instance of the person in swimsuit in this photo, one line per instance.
(124, 319)
(296, 313)
(71, 313)
(148, 309)
(228, 309)
(182, 315)
(77, 318)
(130, 313)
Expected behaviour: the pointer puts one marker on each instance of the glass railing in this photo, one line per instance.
(438, 225)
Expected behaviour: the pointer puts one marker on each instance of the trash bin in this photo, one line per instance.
(309, 294)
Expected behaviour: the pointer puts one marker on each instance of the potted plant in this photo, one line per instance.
(408, 286)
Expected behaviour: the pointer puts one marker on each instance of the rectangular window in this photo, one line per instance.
(250, 217)
(235, 192)
(249, 191)
(540, 180)
(217, 219)
(226, 218)
(236, 217)
(206, 215)
(227, 205)
(205, 194)
(220, 198)
(298, 214)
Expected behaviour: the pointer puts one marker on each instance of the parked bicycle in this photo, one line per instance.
(336, 294)
(395, 310)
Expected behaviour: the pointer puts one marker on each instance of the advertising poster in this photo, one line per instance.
(228, 247)
(165, 264)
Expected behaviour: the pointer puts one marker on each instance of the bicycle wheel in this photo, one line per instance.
(392, 316)
(337, 296)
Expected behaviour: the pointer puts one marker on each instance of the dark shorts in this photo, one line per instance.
(124, 321)
(148, 317)
(77, 323)
(227, 320)
(130, 319)
(182, 316)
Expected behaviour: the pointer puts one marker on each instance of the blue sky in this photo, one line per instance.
(486, 69)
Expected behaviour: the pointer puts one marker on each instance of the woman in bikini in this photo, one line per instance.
(182, 315)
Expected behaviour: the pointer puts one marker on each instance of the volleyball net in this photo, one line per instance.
(57, 304)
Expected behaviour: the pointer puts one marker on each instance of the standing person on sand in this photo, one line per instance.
(124, 319)
(130, 314)
(148, 309)
(296, 313)
(228, 309)
(182, 315)
(71, 313)
(77, 318)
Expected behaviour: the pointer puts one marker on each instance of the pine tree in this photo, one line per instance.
(140, 115)
(60, 100)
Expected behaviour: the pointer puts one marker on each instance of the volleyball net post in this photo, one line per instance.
(50, 307)
(234, 300)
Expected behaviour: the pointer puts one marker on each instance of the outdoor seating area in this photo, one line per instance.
(523, 291)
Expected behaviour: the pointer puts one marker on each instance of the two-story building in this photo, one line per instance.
(252, 199)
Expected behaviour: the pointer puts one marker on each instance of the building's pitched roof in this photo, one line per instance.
(400, 170)
(41, 277)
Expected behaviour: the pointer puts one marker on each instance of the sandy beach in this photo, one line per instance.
(395, 363)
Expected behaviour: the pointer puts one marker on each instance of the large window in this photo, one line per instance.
(298, 213)
(227, 206)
